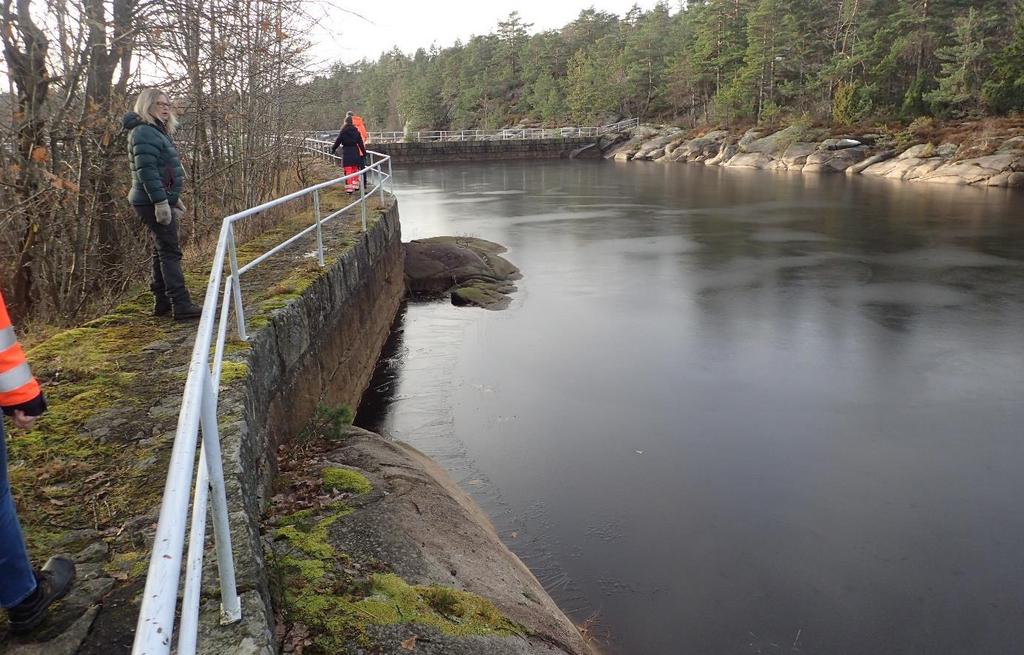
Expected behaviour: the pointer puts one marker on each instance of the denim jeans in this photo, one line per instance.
(168, 280)
(16, 578)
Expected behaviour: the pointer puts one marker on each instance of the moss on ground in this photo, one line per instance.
(232, 371)
(311, 540)
(130, 564)
(89, 477)
(322, 590)
(342, 479)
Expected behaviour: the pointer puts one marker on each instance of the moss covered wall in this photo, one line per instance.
(320, 347)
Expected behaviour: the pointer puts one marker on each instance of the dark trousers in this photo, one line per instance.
(168, 280)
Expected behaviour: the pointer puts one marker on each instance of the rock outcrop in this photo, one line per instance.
(978, 161)
(470, 269)
(405, 561)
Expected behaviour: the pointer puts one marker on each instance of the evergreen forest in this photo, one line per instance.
(706, 61)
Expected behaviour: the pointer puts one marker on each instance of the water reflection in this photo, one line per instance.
(735, 411)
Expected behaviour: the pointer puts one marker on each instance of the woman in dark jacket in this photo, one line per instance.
(157, 181)
(353, 151)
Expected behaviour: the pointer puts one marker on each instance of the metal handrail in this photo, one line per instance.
(507, 134)
(155, 625)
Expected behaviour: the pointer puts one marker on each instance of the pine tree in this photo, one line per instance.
(1004, 90)
(420, 101)
(546, 100)
(753, 90)
(959, 83)
(721, 41)
(644, 61)
(513, 34)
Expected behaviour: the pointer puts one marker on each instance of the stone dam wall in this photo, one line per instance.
(455, 151)
(320, 348)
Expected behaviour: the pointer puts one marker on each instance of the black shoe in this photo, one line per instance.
(188, 312)
(162, 307)
(52, 583)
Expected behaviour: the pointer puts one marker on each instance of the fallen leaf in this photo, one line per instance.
(410, 643)
(39, 154)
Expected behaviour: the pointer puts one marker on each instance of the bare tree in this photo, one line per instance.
(69, 242)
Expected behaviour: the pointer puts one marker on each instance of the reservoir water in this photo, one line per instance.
(733, 412)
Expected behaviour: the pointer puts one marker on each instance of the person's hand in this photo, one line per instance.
(23, 420)
(163, 213)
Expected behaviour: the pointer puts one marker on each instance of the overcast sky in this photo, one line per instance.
(412, 24)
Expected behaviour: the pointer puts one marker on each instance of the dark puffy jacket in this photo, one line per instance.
(352, 148)
(157, 174)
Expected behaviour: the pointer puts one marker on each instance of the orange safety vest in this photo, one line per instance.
(358, 122)
(17, 385)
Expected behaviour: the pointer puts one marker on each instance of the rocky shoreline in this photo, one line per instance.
(975, 159)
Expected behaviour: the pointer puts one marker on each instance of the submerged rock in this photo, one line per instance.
(470, 269)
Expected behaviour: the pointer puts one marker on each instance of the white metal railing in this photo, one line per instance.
(626, 124)
(155, 626)
(508, 134)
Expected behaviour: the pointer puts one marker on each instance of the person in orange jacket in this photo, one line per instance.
(25, 593)
(358, 122)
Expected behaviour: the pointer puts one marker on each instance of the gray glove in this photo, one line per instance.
(163, 213)
(178, 210)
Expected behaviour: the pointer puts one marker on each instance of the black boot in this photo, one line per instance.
(187, 312)
(51, 584)
(162, 306)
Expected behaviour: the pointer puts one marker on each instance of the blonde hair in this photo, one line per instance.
(145, 102)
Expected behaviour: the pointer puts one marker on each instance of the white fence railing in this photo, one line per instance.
(508, 134)
(155, 627)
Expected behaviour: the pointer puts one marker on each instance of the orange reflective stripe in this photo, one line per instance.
(16, 382)
(5, 320)
(22, 394)
(11, 357)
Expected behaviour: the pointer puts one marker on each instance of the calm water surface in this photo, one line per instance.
(734, 412)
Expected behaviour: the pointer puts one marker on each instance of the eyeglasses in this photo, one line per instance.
(162, 104)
